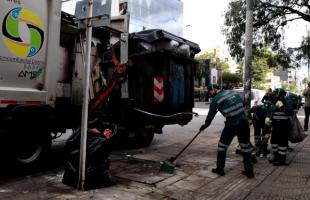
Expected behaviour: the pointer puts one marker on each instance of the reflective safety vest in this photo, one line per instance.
(280, 115)
(230, 104)
(284, 112)
(259, 112)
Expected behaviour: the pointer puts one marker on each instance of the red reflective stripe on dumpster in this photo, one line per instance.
(8, 102)
(158, 89)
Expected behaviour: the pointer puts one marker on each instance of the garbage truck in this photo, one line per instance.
(140, 81)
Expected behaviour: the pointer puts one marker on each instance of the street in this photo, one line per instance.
(137, 173)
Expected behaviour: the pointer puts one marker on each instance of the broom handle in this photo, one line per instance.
(190, 142)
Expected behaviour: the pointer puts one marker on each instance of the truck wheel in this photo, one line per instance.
(144, 137)
(134, 138)
(31, 149)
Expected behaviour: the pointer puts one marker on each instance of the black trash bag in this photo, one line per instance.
(97, 173)
(296, 134)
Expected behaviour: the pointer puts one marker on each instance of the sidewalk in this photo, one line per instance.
(138, 177)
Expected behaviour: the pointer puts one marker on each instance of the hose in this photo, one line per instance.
(165, 116)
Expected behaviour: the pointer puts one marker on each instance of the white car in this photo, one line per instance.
(256, 95)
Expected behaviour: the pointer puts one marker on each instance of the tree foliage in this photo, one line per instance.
(263, 62)
(215, 61)
(231, 80)
(270, 19)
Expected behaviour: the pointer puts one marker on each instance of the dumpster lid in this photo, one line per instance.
(153, 35)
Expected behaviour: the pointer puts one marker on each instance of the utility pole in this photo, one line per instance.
(83, 144)
(247, 72)
(308, 35)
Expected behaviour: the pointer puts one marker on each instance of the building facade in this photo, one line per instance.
(145, 14)
(154, 14)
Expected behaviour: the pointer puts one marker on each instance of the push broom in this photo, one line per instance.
(169, 165)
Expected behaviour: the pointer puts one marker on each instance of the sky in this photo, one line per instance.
(203, 20)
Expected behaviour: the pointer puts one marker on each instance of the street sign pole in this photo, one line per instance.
(247, 83)
(83, 144)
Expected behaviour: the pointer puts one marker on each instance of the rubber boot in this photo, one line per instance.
(257, 147)
(274, 157)
(248, 166)
(281, 161)
(221, 157)
(257, 141)
(289, 149)
(265, 150)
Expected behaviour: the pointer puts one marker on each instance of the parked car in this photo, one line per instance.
(256, 95)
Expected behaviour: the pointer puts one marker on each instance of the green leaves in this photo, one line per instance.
(264, 61)
(202, 69)
(270, 19)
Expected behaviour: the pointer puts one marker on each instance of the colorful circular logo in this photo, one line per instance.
(23, 32)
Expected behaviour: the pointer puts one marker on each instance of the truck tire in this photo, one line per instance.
(143, 137)
(133, 138)
(31, 149)
(29, 137)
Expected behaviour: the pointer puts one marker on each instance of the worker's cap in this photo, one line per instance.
(211, 86)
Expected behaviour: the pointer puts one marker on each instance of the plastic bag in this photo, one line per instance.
(297, 133)
(97, 173)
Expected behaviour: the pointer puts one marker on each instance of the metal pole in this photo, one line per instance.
(85, 97)
(247, 83)
(221, 79)
(308, 35)
(308, 70)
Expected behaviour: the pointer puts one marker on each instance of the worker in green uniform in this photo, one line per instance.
(257, 115)
(280, 128)
(230, 104)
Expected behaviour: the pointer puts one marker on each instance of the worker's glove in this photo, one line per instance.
(268, 121)
(279, 104)
(250, 121)
(107, 133)
(267, 136)
(203, 127)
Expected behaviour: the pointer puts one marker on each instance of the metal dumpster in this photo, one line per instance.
(159, 81)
